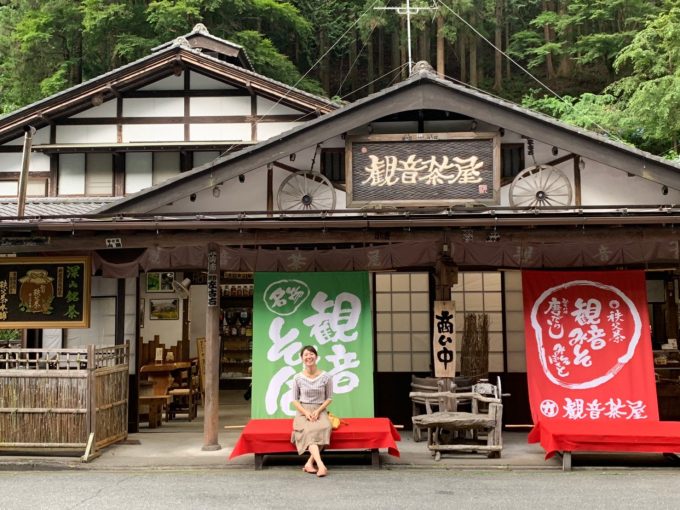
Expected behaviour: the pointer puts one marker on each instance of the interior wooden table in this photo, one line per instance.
(161, 374)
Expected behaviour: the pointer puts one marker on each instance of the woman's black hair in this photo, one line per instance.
(309, 348)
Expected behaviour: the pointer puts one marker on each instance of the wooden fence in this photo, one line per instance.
(63, 398)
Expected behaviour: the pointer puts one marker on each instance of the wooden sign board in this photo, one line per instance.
(444, 339)
(45, 292)
(423, 169)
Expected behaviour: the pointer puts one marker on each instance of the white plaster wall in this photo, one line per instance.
(201, 82)
(266, 130)
(107, 109)
(267, 107)
(71, 174)
(170, 83)
(86, 134)
(603, 185)
(11, 162)
(203, 157)
(225, 105)
(235, 196)
(220, 132)
(153, 107)
(153, 133)
(41, 136)
(138, 172)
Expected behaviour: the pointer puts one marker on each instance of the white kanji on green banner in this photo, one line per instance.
(332, 312)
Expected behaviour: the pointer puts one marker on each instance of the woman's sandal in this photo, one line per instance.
(322, 472)
(309, 469)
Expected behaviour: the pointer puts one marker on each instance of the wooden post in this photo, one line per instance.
(212, 348)
(91, 393)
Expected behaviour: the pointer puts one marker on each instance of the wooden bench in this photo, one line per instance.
(629, 436)
(485, 419)
(273, 436)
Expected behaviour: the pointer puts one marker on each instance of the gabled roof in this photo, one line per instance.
(222, 49)
(424, 90)
(172, 59)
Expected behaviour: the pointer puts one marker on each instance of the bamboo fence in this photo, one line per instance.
(57, 398)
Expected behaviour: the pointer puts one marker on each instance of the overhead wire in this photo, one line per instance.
(291, 87)
(519, 66)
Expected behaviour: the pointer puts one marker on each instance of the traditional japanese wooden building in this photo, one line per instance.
(438, 190)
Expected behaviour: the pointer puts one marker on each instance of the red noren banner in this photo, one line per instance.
(588, 347)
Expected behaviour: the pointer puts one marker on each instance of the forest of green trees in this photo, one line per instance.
(612, 66)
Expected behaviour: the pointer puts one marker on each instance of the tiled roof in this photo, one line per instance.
(54, 207)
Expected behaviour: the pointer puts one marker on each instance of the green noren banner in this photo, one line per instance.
(332, 312)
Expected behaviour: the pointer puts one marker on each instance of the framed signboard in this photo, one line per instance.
(423, 169)
(45, 292)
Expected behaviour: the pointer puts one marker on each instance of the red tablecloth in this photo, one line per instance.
(626, 436)
(273, 436)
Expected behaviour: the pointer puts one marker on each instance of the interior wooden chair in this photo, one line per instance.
(185, 393)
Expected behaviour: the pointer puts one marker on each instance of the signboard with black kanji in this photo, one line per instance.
(444, 339)
(44, 292)
(423, 169)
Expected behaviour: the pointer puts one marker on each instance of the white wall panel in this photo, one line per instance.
(153, 107)
(86, 134)
(266, 130)
(170, 83)
(267, 107)
(221, 132)
(39, 162)
(153, 133)
(230, 105)
(9, 188)
(107, 109)
(201, 82)
(10, 162)
(137, 171)
(41, 136)
(71, 174)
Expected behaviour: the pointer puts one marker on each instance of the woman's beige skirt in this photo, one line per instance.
(307, 432)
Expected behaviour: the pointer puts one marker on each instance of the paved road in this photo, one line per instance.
(355, 489)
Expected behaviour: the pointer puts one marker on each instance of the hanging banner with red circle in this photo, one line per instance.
(588, 347)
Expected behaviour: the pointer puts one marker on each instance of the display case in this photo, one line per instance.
(236, 354)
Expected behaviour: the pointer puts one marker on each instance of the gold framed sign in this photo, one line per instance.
(45, 292)
(423, 169)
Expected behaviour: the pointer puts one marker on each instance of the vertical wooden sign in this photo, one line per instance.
(444, 339)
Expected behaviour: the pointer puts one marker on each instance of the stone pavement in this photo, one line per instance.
(177, 445)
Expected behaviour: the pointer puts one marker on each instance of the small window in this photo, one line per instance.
(333, 164)
(512, 160)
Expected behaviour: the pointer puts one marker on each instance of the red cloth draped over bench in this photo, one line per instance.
(273, 436)
(639, 436)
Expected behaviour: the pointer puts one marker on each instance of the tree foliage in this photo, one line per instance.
(614, 62)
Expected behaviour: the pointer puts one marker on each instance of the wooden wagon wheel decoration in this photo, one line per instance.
(306, 190)
(540, 186)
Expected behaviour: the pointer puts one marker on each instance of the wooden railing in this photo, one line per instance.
(63, 398)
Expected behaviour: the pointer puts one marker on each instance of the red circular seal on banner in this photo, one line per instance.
(586, 332)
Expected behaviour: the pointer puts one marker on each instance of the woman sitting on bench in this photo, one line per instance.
(312, 393)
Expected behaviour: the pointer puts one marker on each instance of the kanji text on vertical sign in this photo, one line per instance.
(444, 339)
(212, 280)
(37, 292)
(589, 352)
(330, 311)
(423, 169)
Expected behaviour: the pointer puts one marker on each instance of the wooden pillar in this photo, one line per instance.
(212, 346)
